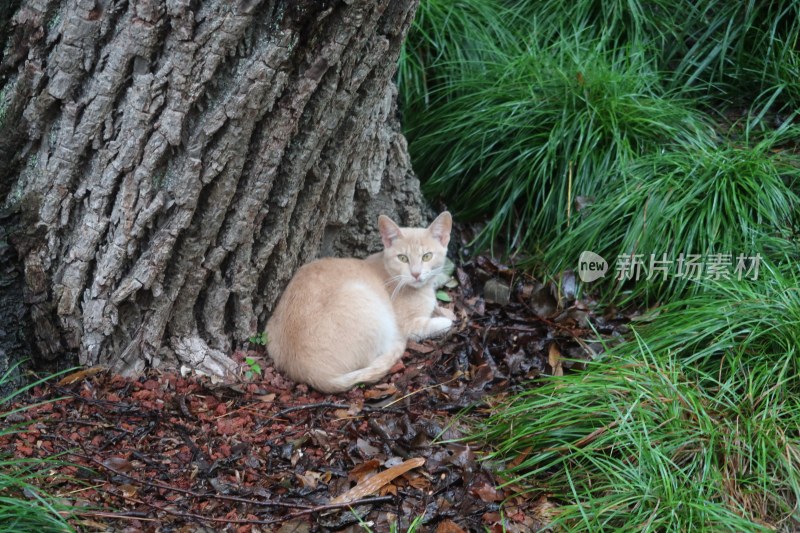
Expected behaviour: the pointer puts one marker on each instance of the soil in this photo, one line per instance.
(168, 452)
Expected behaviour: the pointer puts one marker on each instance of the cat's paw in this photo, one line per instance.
(438, 325)
(445, 312)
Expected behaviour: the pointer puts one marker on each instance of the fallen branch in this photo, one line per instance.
(319, 405)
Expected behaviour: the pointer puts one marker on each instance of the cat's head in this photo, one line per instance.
(415, 256)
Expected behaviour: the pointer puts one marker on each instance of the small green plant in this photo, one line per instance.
(413, 527)
(260, 339)
(24, 506)
(254, 368)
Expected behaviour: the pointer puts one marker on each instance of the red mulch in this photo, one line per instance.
(172, 453)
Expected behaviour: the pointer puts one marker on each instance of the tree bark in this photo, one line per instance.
(177, 161)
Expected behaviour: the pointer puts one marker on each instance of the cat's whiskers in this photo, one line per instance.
(432, 274)
(398, 284)
(394, 279)
(404, 280)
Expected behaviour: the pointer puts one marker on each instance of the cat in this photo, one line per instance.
(344, 321)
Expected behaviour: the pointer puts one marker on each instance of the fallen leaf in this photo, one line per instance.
(486, 492)
(374, 483)
(544, 510)
(128, 490)
(120, 464)
(521, 457)
(443, 296)
(569, 285)
(380, 391)
(309, 480)
(554, 360)
(80, 374)
(294, 526)
(448, 526)
(366, 448)
(419, 348)
(360, 471)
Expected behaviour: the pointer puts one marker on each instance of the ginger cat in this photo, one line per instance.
(341, 322)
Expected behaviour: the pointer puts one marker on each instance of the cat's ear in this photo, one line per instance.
(440, 228)
(390, 231)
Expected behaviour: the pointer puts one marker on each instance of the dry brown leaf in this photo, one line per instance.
(119, 464)
(545, 510)
(420, 482)
(524, 454)
(419, 348)
(388, 489)
(448, 526)
(128, 490)
(554, 360)
(486, 492)
(309, 480)
(381, 391)
(80, 374)
(374, 483)
(368, 467)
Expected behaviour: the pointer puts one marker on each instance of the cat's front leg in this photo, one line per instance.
(427, 327)
(445, 312)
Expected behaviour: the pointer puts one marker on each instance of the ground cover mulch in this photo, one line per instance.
(167, 452)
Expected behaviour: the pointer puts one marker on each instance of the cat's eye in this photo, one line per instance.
(403, 258)
(427, 256)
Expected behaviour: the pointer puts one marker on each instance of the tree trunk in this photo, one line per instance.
(170, 164)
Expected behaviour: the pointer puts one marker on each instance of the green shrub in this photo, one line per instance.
(739, 52)
(541, 126)
(515, 108)
(698, 200)
(690, 427)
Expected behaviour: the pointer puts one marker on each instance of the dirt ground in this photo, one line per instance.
(167, 452)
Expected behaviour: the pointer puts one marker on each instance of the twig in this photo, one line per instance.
(288, 410)
(194, 516)
(133, 515)
(332, 506)
(423, 389)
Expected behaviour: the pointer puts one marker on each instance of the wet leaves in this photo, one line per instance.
(180, 453)
(370, 485)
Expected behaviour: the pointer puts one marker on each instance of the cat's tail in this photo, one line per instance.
(379, 367)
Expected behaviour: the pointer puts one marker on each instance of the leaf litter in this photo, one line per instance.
(167, 452)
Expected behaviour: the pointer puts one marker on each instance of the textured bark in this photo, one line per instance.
(182, 159)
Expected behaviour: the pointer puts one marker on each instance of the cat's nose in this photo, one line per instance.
(416, 274)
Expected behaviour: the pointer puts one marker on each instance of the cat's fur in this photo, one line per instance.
(341, 322)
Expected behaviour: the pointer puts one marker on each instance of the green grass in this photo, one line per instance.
(691, 426)
(538, 127)
(697, 200)
(516, 108)
(24, 506)
(449, 39)
(670, 123)
(735, 51)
